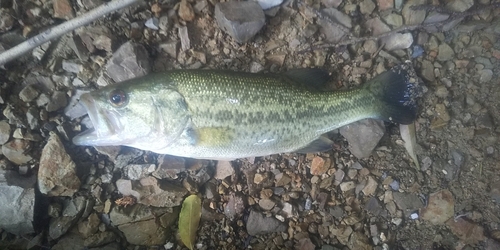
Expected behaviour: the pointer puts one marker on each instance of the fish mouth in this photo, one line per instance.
(106, 125)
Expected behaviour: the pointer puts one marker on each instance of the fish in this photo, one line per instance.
(226, 115)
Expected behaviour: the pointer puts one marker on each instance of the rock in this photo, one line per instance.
(75, 108)
(131, 60)
(370, 187)
(377, 26)
(428, 71)
(6, 20)
(69, 241)
(33, 118)
(57, 101)
(485, 75)
(258, 224)
(138, 171)
(346, 186)
(363, 136)
(266, 204)
(342, 232)
(17, 208)
(28, 93)
(144, 233)
(435, 17)
(89, 226)
(223, 169)
(152, 23)
(411, 16)
(282, 179)
(407, 202)
(332, 32)
(440, 208)
(385, 4)
(234, 207)
(468, 232)
(62, 9)
(184, 37)
(16, 151)
(398, 41)
(57, 171)
(152, 192)
(394, 20)
(459, 5)
(359, 241)
(267, 4)
(72, 66)
(339, 17)
(5, 132)
(331, 3)
(169, 167)
(366, 7)
(100, 239)
(319, 166)
(373, 206)
(241, 20)
(305, 244)
(445, 52)
(186, 11)
(60, 225)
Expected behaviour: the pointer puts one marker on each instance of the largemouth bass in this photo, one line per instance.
(210, 114)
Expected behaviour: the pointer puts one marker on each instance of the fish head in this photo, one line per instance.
(135, 115)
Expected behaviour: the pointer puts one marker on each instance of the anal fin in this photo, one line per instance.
(319, 145)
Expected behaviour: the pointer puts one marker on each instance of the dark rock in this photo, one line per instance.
(72, 211)
(69, 241)
(131, 60)
(144, 233)
(241, 20)
(169, 167)
(57, 171)
(99, 239)
(363, 136)
(258, 223)
(57, 101)
(407, 202)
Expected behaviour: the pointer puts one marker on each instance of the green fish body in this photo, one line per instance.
(210, 114)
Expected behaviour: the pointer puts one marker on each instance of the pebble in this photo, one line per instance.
(332, 32)
(235, 207)
(331, 3)
(267, 4)
(16, 207)
(445, 52)
(427, 71)
(346, 186)
(398, 41)
(241, 20)
(16, 151)
(130, 60)
(371, 186)
(5, 132)
(223, 169)
(57, 101)
(6, 20)
(366, 7)
(459, 5)
(63, 9)
(363, 136)
(339, 16)
(184, 37)
(485, 75)
(138, 171)
(28, 93)
(258, 224)
(411, 16)
(467, 231)
(318, 166)
(440, 207)
(407, 202)
(385, 4)
(377, 26)
(57, 171)
(152, 23)
(394, 20)
(266, 204)
(186, 11)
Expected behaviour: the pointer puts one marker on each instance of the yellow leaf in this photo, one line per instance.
(189, 219)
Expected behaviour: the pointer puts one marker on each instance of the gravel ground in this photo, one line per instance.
(363, 194)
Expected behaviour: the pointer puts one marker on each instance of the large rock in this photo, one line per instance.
(241, 20)
(363, 136)
(16, 209)
(57, 171)
(73, 210)
(131, 60)
(258, 223)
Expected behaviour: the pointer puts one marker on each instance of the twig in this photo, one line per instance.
(62, 29)
(453, 16)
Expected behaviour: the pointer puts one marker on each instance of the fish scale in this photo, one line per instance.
(213, 114)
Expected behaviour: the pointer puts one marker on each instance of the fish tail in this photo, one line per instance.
(396, 92)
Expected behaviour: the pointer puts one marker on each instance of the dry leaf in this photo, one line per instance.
(189, 219)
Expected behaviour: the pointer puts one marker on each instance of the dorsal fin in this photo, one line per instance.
(312, 78)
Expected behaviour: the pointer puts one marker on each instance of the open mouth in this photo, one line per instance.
(106, 125)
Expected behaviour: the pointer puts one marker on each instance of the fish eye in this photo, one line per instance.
(118, 98)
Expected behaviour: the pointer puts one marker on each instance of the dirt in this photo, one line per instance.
(458, 128)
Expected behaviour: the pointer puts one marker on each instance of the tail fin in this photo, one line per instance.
(398, 91)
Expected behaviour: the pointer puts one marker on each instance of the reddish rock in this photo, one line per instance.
(441, 207)
(385, 4)
(466, 231)
(186, 11)
(319, 166)
(63, 9)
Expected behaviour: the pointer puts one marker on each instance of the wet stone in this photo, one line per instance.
(385, 4)
(241, 20)
(57, 101)
(6, 20)
(459, 5)
(485, 75)
(169, 167)
(394, 19)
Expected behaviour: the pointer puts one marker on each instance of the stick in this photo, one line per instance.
(62, 29)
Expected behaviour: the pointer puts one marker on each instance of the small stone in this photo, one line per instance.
(150, 192)
(256, 67)
(169, 167)
(428, 71)
(370, 187)
(331, 3)
(267, 4)
(186, 11)
(235, 207)
(16, 151)
(16, 208)
(99, 239)
(318, 166)
(377, 26)
(223, 169)
(89, 226)
(6, 20)
(258, 224)
(32, 117)
(363, 136)
(28, 93)
(385, 4)
(170, 48)
(138, 171)
(366, 7)
(241, 20)
(131, 60)
(445, 52)
(398, 41)
(63, 9)
(394, 20)
(144, 233)
(152, 23)
(57, 101)
(459, 5)
(411, 16)
(72, 66)
(346, 186)
(5, 132)
(184, 37)
(468, 232)
(407, 202)
(266, 204)
(440, 208)
(485, 75)
(282, 179)
(339, 17)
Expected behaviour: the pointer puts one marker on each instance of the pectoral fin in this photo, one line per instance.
(319, 145)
